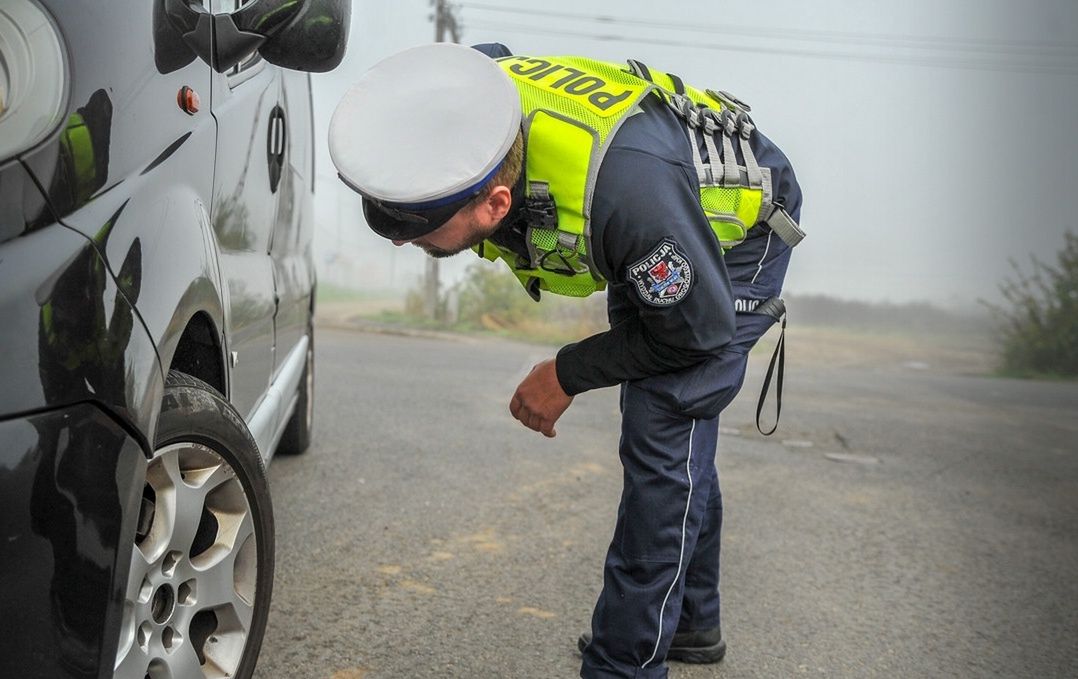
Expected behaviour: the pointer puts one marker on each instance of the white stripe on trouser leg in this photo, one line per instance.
(681, 557)
(760, 266)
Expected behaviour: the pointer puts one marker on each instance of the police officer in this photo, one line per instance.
(582, 175)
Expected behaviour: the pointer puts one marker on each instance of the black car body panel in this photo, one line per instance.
(22, 207)
(131, 161)
(70, 334)
(70, 480)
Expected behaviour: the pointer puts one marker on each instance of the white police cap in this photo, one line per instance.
(421, 133)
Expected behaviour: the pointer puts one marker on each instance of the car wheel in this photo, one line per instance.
(297, 434)
(201, 575)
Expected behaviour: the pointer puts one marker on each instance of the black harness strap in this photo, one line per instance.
(679, 84)
(641, 70)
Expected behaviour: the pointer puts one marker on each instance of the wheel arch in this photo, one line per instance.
(199, 352)
(194, 340)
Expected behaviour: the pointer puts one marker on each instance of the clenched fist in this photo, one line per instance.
(539, 400)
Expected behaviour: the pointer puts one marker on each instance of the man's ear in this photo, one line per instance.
(498, 203)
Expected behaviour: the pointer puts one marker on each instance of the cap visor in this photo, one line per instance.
(398, 224)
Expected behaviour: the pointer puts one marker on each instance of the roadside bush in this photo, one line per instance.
(490, 298)
(1038, 325)
(490, 295)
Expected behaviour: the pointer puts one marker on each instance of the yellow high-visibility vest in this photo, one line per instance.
(571, 109)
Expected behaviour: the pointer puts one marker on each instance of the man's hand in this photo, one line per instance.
(539, 400)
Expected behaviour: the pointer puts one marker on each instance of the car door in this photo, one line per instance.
(291, 247)
(244, 210)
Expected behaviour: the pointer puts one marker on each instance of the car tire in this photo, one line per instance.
(296, 438)
(202, 562)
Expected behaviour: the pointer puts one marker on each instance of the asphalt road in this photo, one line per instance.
(901, 523)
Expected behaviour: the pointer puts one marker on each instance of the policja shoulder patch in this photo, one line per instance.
(664, 277)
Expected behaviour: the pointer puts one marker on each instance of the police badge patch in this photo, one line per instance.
(664, 276)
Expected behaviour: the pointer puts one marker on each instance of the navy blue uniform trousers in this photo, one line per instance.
(662, 568)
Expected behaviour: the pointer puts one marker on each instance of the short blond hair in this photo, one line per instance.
(508, 174)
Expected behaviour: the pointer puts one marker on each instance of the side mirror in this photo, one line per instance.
(313, 38)
(304, 35)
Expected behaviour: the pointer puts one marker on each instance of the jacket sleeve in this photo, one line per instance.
(670, 300)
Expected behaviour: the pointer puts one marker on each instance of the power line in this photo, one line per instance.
(934, 61)
(834, 37)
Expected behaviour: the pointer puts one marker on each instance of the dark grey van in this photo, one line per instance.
(156, 346)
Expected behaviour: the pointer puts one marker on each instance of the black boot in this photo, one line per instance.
(701, 647)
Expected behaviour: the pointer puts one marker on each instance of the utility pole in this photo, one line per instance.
(444, 21)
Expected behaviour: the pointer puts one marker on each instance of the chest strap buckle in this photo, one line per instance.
(784, 226)
(539, 207)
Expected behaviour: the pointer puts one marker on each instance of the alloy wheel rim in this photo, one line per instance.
(190, 595)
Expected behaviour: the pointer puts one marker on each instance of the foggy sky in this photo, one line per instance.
(933, 140)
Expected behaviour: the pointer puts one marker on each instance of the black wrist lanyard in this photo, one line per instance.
(776, 309)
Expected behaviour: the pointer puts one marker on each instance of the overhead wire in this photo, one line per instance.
(768, 49)
(836, 37)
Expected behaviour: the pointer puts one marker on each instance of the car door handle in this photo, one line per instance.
(275, 146)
